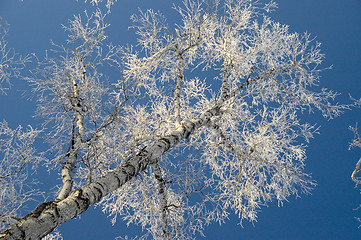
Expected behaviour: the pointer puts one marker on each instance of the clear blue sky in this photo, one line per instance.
(327, 213)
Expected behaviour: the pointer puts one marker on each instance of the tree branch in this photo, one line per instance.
(163, 199)
(177, 89)
(356, 171)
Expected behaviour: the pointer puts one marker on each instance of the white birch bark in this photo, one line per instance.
(78, 137)
(177, 90)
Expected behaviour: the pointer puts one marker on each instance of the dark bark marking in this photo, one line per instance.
(101, 186)
(143, 152)
(129, 169)
(141, 166)
(187, 133)
(175, 138)
(77, 205)
(56, 211)
(166, 143)
(100, 192)
(127, 175)
(118, 180)
(158, 177)
(81, 198)
(38, 211)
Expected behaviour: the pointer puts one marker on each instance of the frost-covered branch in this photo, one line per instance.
(10, 63)
(356, 142)
(108, 3)
(17, 160)
(177, 90)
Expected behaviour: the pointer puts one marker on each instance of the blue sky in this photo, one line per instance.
(327, 213)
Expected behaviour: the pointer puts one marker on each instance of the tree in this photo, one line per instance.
(203, 120)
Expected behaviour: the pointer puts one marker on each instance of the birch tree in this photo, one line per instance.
(202, 121)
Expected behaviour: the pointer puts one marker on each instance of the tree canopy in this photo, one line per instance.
(203, 120)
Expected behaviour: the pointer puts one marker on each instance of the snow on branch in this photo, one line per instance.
(11, 63)
(17, 159)
(108, 3)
